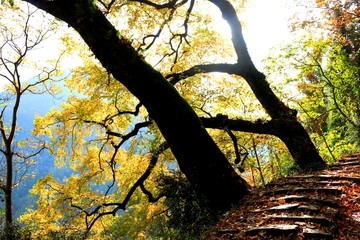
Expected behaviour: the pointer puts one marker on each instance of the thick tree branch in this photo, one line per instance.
(246, 68)
(222, 122)
(229, 14)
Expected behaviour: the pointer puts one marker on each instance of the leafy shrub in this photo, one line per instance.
(188, 214)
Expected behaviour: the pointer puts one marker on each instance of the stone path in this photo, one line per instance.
(322, 205)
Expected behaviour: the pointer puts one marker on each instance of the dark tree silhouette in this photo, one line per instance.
(199, 158)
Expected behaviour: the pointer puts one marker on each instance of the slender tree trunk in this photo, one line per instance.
(279, 167)
(253, 176)
(8, 184)
(8, 198)
(258, 162)
(198, 156)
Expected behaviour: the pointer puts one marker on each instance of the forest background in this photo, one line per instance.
(90, 150)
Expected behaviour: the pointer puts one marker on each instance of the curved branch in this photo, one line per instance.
(246, 68)
(230, 16)
(177, 39)
(25, 157)
(235, 144)
(124, 138)
(171, 4)
(122, 205)
(146, 174)
(203, 68)
(131, 134)
(107, 6)
(155, 36)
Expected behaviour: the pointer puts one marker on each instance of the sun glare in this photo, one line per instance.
(265, 24)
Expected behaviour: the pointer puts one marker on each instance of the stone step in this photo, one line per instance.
(301, 190)
(316, 234)
(302, 218)
(274, 229)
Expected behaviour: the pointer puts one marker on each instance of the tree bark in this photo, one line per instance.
(286, 126)
(290, 131)
(283, 122)
(198, 156)
(8, 198)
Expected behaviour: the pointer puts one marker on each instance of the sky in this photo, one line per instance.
(265, 27)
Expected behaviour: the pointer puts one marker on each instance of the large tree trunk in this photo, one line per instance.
(284, 123)
(284, 119)
(198, 156)
(299, 144)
